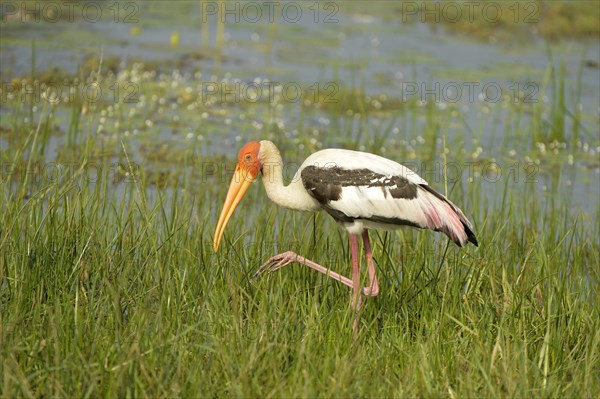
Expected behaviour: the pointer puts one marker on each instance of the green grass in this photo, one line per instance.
(109, 285)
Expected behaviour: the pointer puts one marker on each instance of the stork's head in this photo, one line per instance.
(246, 171)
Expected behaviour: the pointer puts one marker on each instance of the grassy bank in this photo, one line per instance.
(109, 285)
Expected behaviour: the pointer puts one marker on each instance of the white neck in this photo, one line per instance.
(292, 196)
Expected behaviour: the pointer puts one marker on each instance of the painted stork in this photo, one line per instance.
(359, 190)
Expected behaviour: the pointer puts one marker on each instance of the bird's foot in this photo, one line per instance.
(277, 262)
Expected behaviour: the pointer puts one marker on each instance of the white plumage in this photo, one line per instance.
(372, 205)
(349, 159)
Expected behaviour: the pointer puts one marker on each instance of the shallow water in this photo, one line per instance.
(379, 56)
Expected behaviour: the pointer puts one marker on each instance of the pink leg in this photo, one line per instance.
(355, 272)
(356, 294)
(373, 289)
(278, 261)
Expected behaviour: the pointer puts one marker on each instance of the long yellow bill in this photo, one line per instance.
(240, 183)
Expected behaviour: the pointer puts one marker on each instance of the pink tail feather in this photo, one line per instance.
(442, 215)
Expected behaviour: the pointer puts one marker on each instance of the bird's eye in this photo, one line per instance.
(248, 157)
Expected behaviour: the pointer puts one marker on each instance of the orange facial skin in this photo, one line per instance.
(246, 171)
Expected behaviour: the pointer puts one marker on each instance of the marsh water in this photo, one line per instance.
(419, 86)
